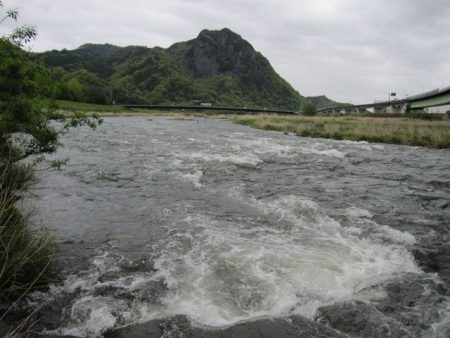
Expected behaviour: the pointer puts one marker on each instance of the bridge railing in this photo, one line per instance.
(213, 108)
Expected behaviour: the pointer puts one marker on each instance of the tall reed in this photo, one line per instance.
(25, 255)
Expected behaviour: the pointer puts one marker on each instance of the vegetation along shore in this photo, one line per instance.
(410, 130)
(415, 132)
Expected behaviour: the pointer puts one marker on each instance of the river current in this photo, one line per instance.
(225, 224)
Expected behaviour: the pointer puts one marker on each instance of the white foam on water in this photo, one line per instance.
(222, 272)
(380, 233)
(441, 329)
(326, 152)
(194, 178)
(94, 315)
(387, 233)
(241, 159)
(358, 212)
(264, 145)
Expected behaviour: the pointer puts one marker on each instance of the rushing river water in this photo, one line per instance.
(227, 224)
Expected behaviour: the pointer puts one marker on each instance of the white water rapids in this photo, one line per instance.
(221, 223)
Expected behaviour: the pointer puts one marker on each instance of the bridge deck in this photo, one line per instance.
(436, 97)
(225, 109)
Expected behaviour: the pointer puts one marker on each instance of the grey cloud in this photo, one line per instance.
(354, 50)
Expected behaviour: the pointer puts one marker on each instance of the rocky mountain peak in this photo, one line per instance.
(218, 52)
(217, 66)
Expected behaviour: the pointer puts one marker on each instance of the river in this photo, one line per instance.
(229, 225)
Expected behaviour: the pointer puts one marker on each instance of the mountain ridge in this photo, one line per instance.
(217, 66)
(322, 101)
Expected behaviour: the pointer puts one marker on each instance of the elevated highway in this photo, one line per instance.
(433, 98)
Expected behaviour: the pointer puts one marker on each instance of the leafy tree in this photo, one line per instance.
(26, 96)
(20, 35)
(29, 126)
(308, 108)
(72, 90)
(85, 86)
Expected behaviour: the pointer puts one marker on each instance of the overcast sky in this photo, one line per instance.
(350, 50)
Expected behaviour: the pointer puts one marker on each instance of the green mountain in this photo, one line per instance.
(217, 67)
(324, 102)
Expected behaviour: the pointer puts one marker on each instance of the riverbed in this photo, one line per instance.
(230, 226)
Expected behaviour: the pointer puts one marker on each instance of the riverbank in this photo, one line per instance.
(414, 132)
(392, 130)
(25, 255)
(405, 131)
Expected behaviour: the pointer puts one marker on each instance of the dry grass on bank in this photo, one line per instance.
(433, 134)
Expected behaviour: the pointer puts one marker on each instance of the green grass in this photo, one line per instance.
(432, 134)
(103, 110)
(88, 107)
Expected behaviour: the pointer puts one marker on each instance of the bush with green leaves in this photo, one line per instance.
(309, 109)
(27, 130)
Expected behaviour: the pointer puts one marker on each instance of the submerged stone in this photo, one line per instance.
(180, 326)
(142, 264)
(359, 319)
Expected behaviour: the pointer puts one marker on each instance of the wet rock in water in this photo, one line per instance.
(176, 327)
(110, 276)
(152, 292)
(293, 326)
(105, 290)
(127, 267)
(38, 335)
(359, 319)
(180, 327)
(151, 329)
(142, 264)
(409, 309)
(51, 313)
(413, 302)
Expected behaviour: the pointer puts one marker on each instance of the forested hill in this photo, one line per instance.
(324, 102)
(217, 67)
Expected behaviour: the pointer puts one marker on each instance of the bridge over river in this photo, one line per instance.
(436, 97)
(433, 98)
(238, 110)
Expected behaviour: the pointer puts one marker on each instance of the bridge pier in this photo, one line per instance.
(395, 109)
(405, 108)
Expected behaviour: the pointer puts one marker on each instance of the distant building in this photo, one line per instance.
(201, 103)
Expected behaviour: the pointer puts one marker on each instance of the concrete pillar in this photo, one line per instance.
(396, 109)
(405, 108)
